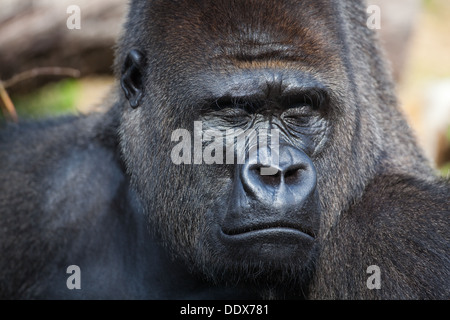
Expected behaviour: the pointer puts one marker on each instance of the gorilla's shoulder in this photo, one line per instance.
(406, 206)
(53, 133)
(406, 223)
(402, 193)
(54, 163)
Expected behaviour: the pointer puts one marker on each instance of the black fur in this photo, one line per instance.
(85, 190)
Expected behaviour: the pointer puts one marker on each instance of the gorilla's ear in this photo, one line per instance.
(131, 80)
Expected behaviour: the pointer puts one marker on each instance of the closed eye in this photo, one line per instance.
(315, 98)
(248, 105)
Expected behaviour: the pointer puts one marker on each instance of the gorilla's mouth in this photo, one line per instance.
(266, 241)
(271, 228)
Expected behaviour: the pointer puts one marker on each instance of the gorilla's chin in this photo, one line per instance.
(259, 234)
(271, 258)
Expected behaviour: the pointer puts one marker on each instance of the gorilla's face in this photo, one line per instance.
(204, 82)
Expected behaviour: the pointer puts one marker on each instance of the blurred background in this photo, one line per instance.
(47, 69)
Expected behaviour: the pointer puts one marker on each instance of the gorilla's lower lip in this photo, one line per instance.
(270, 232)
(267, 245)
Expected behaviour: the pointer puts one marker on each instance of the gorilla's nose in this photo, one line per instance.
(287, 178)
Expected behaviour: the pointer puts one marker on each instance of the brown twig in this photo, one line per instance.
(9, 105)
(4, 96)
(69, 72)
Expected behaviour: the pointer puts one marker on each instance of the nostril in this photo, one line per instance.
(293, 174)
(271, 180)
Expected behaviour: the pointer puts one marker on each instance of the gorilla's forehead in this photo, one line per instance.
(204, 41)
(244, 30)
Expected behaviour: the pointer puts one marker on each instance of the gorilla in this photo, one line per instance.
(342, 204)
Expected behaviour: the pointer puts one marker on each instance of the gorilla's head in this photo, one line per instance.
(304, 72)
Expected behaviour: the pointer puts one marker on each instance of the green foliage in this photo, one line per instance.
(51, 100)
(445, 170)
(427, 3)
(436, 7)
